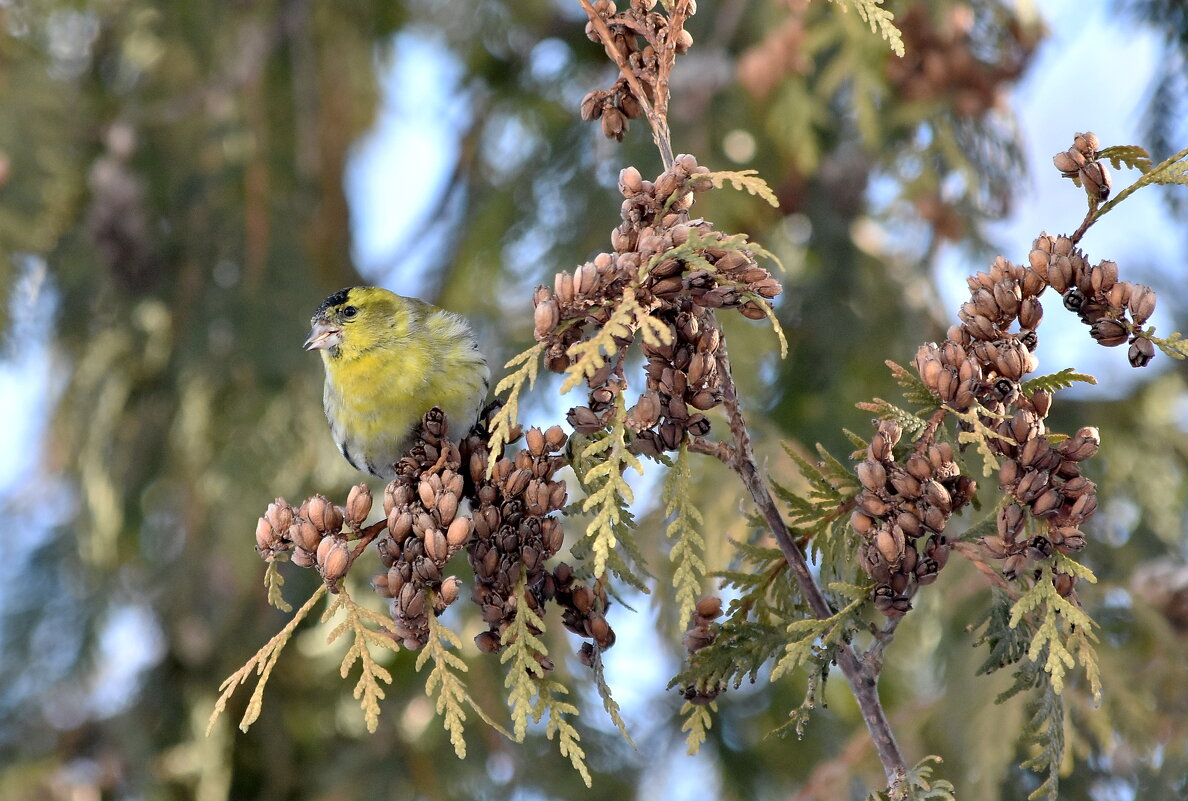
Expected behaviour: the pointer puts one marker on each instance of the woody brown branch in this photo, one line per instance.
(862, 677)
(741, 457)
(657, 117)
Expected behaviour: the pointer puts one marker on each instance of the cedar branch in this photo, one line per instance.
(862, 675)
(657, 121)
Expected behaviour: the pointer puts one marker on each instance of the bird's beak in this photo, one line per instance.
(323, 336)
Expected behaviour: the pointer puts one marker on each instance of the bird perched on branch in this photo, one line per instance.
(389, 359)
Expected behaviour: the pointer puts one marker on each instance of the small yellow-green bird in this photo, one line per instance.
(389, 359)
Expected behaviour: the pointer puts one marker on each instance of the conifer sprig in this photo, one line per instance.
(697, 720)
(531, 694)
(446, 683)
(274, 580)
(747, 180)
(608, 702)
(608, 458)
(261, 664)
(812, 639)
(684, 529)
(1064, 633)
(503, 424)
(879, 19)
(367, 628)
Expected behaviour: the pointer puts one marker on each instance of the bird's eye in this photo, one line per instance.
(350, 313)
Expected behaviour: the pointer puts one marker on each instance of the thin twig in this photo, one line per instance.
(368, 534)
(1090, 218)
(863, 679)
(976, 556)
(930, 429)
(872, 659)
(676, 23)
(658, 124)
(740, 456)
(1096, 214)
(719, 450)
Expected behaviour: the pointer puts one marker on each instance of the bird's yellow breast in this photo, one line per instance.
(383, 379)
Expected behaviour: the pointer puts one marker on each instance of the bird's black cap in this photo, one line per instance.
(337, 299)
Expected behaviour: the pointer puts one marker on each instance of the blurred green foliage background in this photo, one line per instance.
(172, 209)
